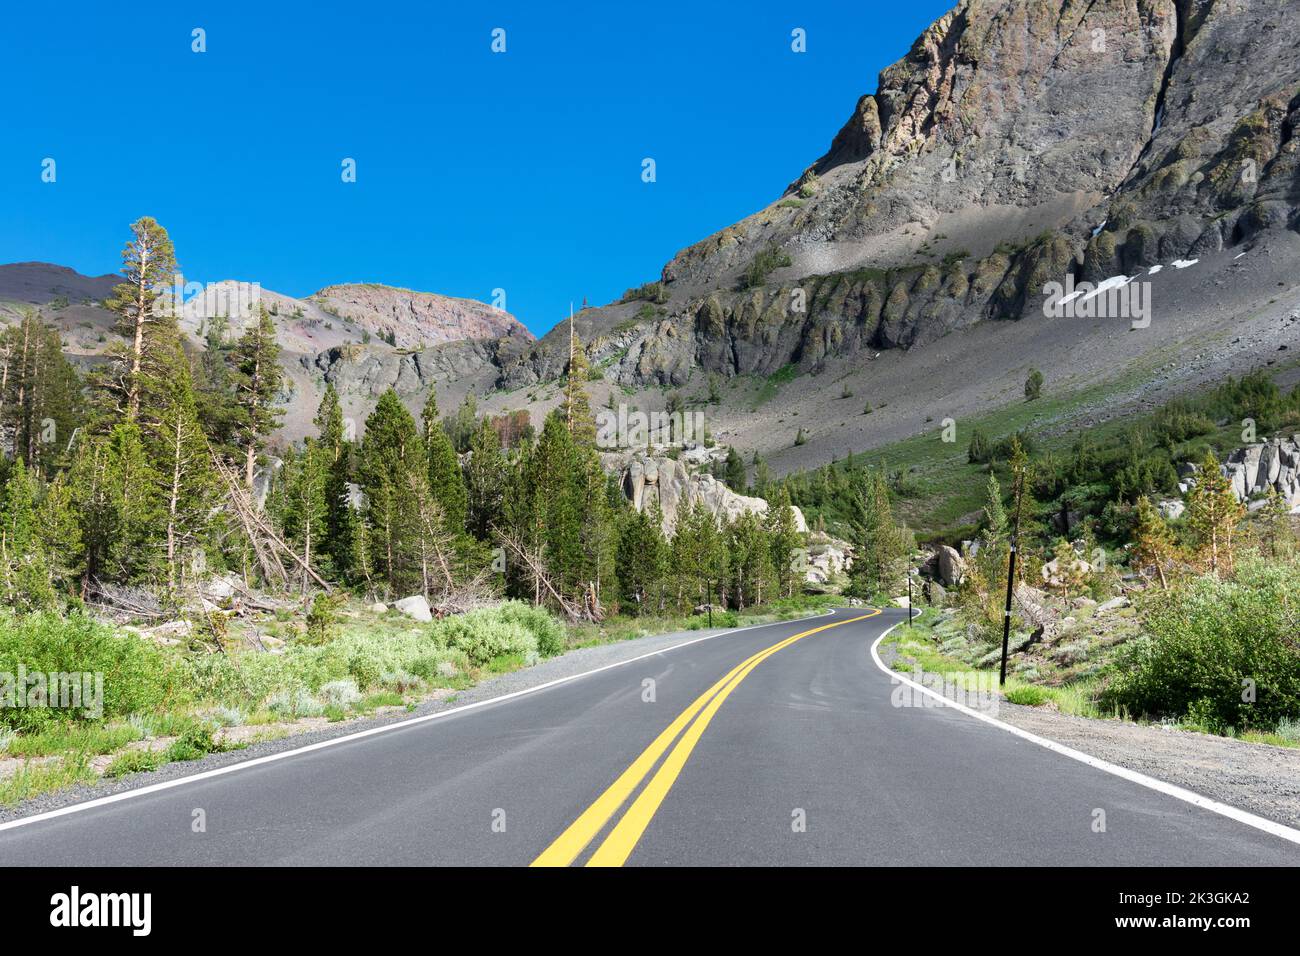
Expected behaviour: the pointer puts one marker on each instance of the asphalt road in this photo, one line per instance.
(768, 746)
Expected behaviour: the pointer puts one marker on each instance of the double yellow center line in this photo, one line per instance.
(618, 845)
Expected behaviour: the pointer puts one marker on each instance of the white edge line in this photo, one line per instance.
(1168, 789)
(386, 728)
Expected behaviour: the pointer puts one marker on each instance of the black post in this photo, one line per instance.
(1011, 577)
(909, 597)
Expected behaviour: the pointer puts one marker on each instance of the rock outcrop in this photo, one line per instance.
(675, 488)
(408, 319)
(946, 566)
(1255, 469)
(1018, 142)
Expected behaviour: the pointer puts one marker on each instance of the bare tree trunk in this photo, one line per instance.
(137, 344)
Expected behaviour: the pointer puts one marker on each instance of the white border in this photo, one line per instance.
(386, 728)
(1168, 789)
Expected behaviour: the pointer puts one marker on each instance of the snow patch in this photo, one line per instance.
(1184, 263)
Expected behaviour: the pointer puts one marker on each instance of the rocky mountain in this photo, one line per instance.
(1018, 142)
(338, 335)
(415, 320)
(900, 279)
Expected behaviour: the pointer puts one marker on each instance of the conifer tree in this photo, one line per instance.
(392, 458)
(148, 264)
(187, 483)
(24, 564)
(304, 507)
(576, 406)
(338, 450)
(258, 378)
(59, 533)
(1153, 546)
(557, 498)
(446, 482)
(486, 477)
(785, 541)
(734, 471)
(752, 575)
(1212, 513)
(880, 544)
(995, 516)
(699, 556)
(641, 555)
(40, 394)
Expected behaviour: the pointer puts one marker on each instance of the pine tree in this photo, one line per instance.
(752, 575)
(1276, 532)
(995, 516)
(24, 565)
(59, 533)
(1070, 571)
(734, 473)
(576, 406)
(641, 555)
(462, 425)
(40, 394)
(880, 544)
(557, 498)
(392, 454)
(304, 507)
(258, 378)
(486, 477)
(1212, 513)
(785, 541)
(334, 443)
(187, 482)
(148, 264)
(446, 482)
(699, 557)
(329, 423)
(1153, 546)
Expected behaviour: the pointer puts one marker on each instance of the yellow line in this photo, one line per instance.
(566, 847)
(618, 846)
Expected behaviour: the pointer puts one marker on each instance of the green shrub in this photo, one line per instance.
(539, 622)
(135, 761)
(321, 619)
(484, 634)
(138, 675)
(1211, 646)
(195, 742)
(767, 260)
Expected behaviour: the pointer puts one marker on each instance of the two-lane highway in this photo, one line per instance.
(776, 745)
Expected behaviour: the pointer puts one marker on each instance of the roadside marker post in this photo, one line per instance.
(1021, 468)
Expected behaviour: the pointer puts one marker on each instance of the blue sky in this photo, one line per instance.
(475, 170)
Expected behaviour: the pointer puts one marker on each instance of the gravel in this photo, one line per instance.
(1260, 778)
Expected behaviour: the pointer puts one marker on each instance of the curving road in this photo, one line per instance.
(776, 745)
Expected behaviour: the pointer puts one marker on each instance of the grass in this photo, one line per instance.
(1029, 695)
(915, 645)
(135, 761)
(33, 779)
(772, 384)
(69, 737)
